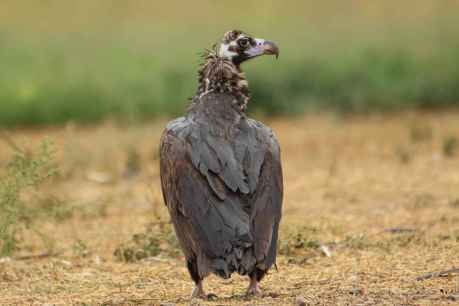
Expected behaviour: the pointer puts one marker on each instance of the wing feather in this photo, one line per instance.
(225, 197)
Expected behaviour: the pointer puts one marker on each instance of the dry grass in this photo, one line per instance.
(347, 181)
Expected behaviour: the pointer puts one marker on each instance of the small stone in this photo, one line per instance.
(356, 291)
(99, 177)
(300, 301)
(273, 295)
(326, 250)
(453, 297)
(97, 260)
(5, 259)
(194, 302)
(66, 263)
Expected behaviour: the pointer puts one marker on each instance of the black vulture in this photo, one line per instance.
(221, 173)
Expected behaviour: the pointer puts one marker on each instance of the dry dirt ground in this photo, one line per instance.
(371, 203)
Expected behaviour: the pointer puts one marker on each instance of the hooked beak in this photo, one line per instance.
(271, 48)
(263, 47)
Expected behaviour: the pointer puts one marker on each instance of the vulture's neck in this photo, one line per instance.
(221, 75)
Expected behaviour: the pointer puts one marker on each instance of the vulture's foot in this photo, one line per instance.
(254, 288)
(198, 292)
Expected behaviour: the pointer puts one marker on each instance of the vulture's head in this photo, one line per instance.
(239, 47)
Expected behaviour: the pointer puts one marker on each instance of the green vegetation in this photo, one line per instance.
(86, 68)
(21, 203)
(158, 239)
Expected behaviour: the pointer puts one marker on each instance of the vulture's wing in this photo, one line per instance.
(224, 196)
(266, 204)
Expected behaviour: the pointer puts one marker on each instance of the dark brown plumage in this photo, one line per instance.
(221, 172)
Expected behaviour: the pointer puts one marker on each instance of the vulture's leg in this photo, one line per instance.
(198, 291)
(254, 286)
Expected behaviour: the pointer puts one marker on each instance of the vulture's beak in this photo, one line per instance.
(271, 48)
(263, 47)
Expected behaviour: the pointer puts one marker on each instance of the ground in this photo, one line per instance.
(371, 203)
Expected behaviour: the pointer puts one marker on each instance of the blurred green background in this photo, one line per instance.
(135, 60)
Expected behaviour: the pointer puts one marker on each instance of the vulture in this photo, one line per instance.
(221, 173)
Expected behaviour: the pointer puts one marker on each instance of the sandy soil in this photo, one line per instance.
(371, 203)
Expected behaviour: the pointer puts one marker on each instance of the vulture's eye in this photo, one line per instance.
(243, 42)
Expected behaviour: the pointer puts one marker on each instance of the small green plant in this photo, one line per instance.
(450, 146)
(358, 242)
(140, 247)
(159, 238)
(24, 174)
(304, 239)
(80, 249)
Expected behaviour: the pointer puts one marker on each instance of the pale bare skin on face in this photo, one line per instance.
(243, 47)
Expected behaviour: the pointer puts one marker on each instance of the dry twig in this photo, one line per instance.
(399, 230)
(35, 256)
(437, 274)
